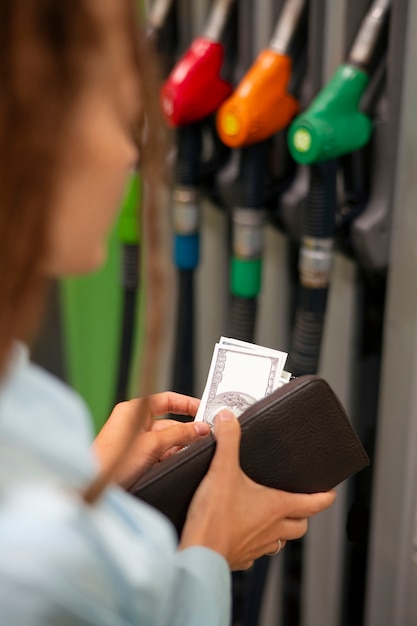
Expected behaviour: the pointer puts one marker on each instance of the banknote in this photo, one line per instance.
(229, 341)
(240, 374)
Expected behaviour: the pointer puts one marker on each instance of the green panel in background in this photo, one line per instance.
(91, 318)
(91, 308)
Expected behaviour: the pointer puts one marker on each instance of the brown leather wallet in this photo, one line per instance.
(298, 438)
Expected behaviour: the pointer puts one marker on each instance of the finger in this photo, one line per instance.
(175, 449)
(171, 402)
(324, 500)
(290, 529)
(285, 530)
(227, 434)
(161, 424)
(179, 435)
(318, 502)
(241, 566)
(170, 452)
(274, 548)
(301, 505)
(127, 414)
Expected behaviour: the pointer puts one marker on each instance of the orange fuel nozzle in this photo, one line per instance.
(261, 105)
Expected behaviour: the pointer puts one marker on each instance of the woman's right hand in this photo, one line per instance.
(239, 518)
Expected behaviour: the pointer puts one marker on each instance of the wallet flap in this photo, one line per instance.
(303, 438)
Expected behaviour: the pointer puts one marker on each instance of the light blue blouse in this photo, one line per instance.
(63, 563)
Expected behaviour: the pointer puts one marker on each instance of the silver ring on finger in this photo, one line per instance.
(277, 550)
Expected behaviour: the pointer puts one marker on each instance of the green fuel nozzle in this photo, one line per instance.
(333, 125)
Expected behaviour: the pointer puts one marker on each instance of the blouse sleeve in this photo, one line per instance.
(56, 570)
(202, 589)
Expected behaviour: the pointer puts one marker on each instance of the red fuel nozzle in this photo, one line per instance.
(194, 88)
(261, 105)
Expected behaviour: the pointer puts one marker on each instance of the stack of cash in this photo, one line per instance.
(241, 373)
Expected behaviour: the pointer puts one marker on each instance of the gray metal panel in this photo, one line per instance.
(199, 12)
(324, 553)
(245, 40)
(334, 37)
(392, 586)
(272, 599)
(354, 12)
(264, 23)
(211, 289)
(315, 65)
(185, 24)
(273, 323)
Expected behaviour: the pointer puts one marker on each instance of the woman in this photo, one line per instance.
(74, 549)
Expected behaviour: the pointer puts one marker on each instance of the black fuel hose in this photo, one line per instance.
(186, 251)
(130, 285)
(315, 265)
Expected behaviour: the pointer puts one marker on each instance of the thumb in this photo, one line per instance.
(227, 433)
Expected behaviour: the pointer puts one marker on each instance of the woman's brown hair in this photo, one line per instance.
(44, 45)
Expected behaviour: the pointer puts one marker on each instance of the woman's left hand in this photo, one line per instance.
(155, 439)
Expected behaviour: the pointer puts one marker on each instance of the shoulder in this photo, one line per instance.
(43, 416)
(28, 388)
(48, 572)
(63, 561)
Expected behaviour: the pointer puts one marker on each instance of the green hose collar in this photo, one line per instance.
(246, 277)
